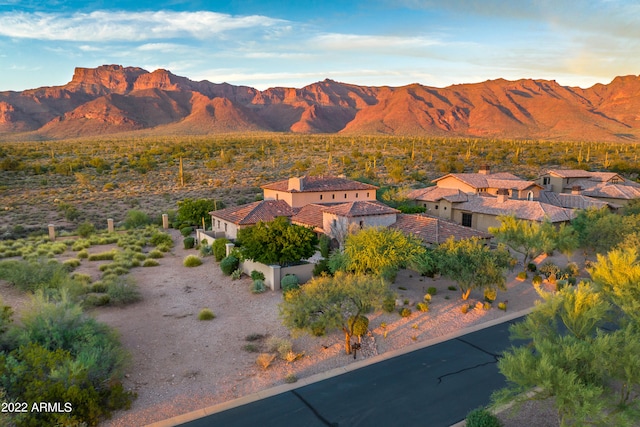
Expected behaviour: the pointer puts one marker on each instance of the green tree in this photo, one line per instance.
(335, 302)
(277, 242)
(136, 219)
(472, 264)
(192, 211)
(525, 237)
(376, 250)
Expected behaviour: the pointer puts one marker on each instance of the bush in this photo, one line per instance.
(264, 360)
(422, 306)
(206, 314)
(282, 346)
(465, 308)
(164, 247)
(571, 270)
(258, 287)
(389, 303)
(122, 292)
(189, 242)
(156, 254)
(432, 291)
(490, 295)
(549, 268)
(86, 229)
(97, 300)
(150, 263)
(251, 348)
(186, 231)
(324, 244)
(192, 261)
(522, 275)
(452, 288)
(220, 248)
(136, 219)
(159, 238)
(205, 250)
(531, 267)
(322, 268)
(405, 312)
(229, 264)
(480, 417)
(237, 274)
(71, 264)
(290, 379)
(502, 306)
(360, 326)
(537, 280)
(257, 275)
(289, 283)
(103, 256)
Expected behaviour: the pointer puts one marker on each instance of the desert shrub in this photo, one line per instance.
(71, 264)
(389, 303)
(229, 264)
(389, 274)
(257, 275)
(480, 417)
(31, 276)
(237, 274)
(360, 325)
(257, 287)
(189, 242)
(163, 247)
(103, 256)
(490, 294)
(531, 267)
(319, 330)
(155, 254)
(522, 275)
(192, 261)
(264, 360)
(427, 297)
(123, 292)
(422, 306)
(96, 300)
(486, 305)
(86, 229)
(254, 337)
(549, 268)
(251, 348)
(206, 250)
(465, 308)
(85, 279)
(502, 306)
(405, 312)
(452, 288)
(206, 314)
(99, 287)
(322, 268)
(159, 238)
(432, 291)
(290, 379)
(537, 280)
(220, 248)
(186, 231)
(80, 244)
(571, 270)
(289, 283)
(136, 219)
(282, 346)
(150, 263)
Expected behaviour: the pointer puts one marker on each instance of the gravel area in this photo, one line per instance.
(180, 364)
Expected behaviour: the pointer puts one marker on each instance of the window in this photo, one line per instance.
(321, 197)
(530, 195)
(445, 208)
(436, 207)
(333, 196)
(277, 195)
(361, 223)
(225, 226)
(546, 180)
(356, 195)
(367, 194)
(466, 219)
(218, 223)
(345, 195)
(334, 223)
(424, 204)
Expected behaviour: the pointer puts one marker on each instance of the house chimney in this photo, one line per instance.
(576, 189)
(295, 184)
(503, 195)
(485, 170)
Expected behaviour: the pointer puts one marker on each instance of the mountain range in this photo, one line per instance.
(112, 99)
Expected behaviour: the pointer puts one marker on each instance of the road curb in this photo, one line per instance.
(199, 413)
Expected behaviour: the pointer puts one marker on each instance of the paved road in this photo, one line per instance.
(435, 386)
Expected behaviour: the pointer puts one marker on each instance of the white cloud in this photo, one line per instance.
(162, 47)
(101, 26)
(336, 41)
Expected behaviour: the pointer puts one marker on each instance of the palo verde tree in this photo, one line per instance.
(592, 372)
(375, 250)
(472, 264)
(336, 302)
(193, 212)
(277, 242)
(528, 238)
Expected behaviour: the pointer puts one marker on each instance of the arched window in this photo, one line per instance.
(530, 195)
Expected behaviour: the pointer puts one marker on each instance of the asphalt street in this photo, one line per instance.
(434, 386)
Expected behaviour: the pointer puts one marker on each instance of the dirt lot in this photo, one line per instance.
(180, 364)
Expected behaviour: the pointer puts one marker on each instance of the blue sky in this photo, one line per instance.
(294, 43)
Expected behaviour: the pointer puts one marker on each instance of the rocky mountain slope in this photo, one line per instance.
(112, 98)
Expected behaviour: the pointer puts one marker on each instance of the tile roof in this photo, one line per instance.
(310, 215)
(522, 209)
(612, 191)
(320, 183)
(252, 213)
(435, 194)
(494, 180)
(360, 208)
(435, 230)
(573, 201)
(569, 173)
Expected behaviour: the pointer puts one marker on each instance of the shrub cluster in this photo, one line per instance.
(289, 282)
(480, 417)
(220, 249)
(229, 264)
(192, 261)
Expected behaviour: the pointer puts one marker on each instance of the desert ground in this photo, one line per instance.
(180, 364)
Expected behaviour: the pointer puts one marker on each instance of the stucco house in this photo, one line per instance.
(434, 231)
(230, 220)
(608, 187)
